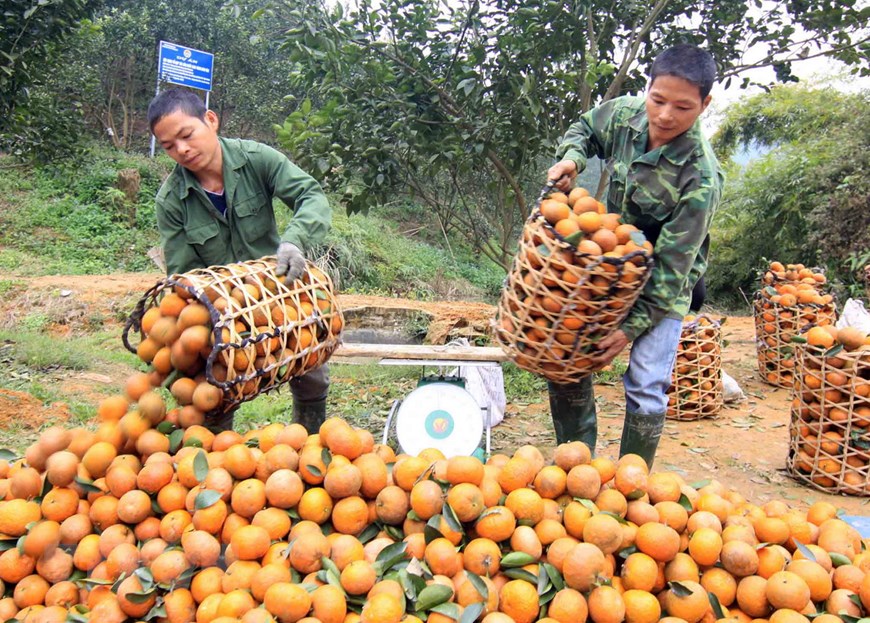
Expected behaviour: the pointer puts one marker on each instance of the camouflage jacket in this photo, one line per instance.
(195, 234)
(670, 193)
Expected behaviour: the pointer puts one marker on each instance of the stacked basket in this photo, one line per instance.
(790, 301)
(222, 335)
(829, 430)
(575, 277)
(696, 388)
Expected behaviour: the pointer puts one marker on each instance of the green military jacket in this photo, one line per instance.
(195, 234)
(669, 193)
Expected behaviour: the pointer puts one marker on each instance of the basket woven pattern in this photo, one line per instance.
(829, 430)
(775, 326)
(557, 302)
(263, 333)
(696, 386)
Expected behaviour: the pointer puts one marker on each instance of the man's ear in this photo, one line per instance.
(706, 102)
(211, 120)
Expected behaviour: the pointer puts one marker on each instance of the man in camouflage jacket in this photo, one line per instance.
(664, 179)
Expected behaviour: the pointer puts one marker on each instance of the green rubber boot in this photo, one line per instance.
(309, 414)
(572, 407)
(641, 434)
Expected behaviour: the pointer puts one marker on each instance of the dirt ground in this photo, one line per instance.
(745, 446)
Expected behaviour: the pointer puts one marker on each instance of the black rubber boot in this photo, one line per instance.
(309, 414)
(573, 410)
(641, 434)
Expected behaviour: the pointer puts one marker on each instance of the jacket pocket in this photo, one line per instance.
(200, 234)
(254, 217)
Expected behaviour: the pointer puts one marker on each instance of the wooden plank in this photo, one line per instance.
(420, 352)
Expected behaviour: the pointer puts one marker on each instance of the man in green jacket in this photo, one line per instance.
(216, 208)
(665, 179)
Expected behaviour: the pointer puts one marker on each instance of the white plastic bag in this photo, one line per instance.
(731, 391)
(485, 384)
(854, 315)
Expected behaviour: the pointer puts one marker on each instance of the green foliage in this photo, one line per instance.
(38, 351)
(460, 106)
(805, 200)
(62, 219)
(31, 32)
(369, 255)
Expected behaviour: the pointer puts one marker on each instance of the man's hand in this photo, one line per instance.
(291, 262)
(564, 172)
(610, 347)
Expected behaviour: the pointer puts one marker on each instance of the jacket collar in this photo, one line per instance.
(233, 159)
(677, 151)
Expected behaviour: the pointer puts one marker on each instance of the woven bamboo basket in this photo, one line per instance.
(829, 431)
(696, 387)
(261, 333)
(775, 326)
(559, 301)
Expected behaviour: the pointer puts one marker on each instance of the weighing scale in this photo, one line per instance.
(440, 414)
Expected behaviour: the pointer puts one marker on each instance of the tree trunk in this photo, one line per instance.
(129, 182)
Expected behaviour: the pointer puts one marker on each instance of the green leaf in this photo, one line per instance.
(839, 559)
(175, 439)
(808, 554)
(451, 519)
(700, 484)
(717, 607)
(516, 559)
(679, 589)
(471, 612)
(521, 574)
(479, 585)
(575, 238)
(543, 583)
(685, 502)
(433, 595)
(140, 598)
(326, 456)
(206, 498)
(330, 565)
(833, 350)
(8, 455)
(200, 466)
(392, 554)
(87, 485)
(166, 427)
(315, 471)
(447, 609)
(555, 576)
(370, 532)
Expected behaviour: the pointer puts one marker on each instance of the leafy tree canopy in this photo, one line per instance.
(461, 104)
(807, 199)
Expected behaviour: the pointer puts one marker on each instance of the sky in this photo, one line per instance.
(823, 72)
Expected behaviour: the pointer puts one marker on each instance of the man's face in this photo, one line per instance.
(672, 106)
(191, 142)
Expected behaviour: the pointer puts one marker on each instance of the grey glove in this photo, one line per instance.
(291, 262)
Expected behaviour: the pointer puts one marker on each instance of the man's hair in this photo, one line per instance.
(688, 62)
(173, 100)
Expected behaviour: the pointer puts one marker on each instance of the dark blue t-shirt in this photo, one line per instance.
(218, 200)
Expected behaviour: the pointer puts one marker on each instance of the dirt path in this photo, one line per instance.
(745, 447)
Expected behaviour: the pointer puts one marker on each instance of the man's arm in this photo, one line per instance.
(180, 257)
(677, 248)
(300, 192)
(590, 136)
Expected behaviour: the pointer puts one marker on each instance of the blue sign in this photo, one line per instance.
(185, 66)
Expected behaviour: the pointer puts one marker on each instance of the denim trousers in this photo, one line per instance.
(650, 365)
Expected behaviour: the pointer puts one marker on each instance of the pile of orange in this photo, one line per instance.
(830, 417)
(791, 300)
(129, 524)
(696, 386)
(178, 334)
(577, 273)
